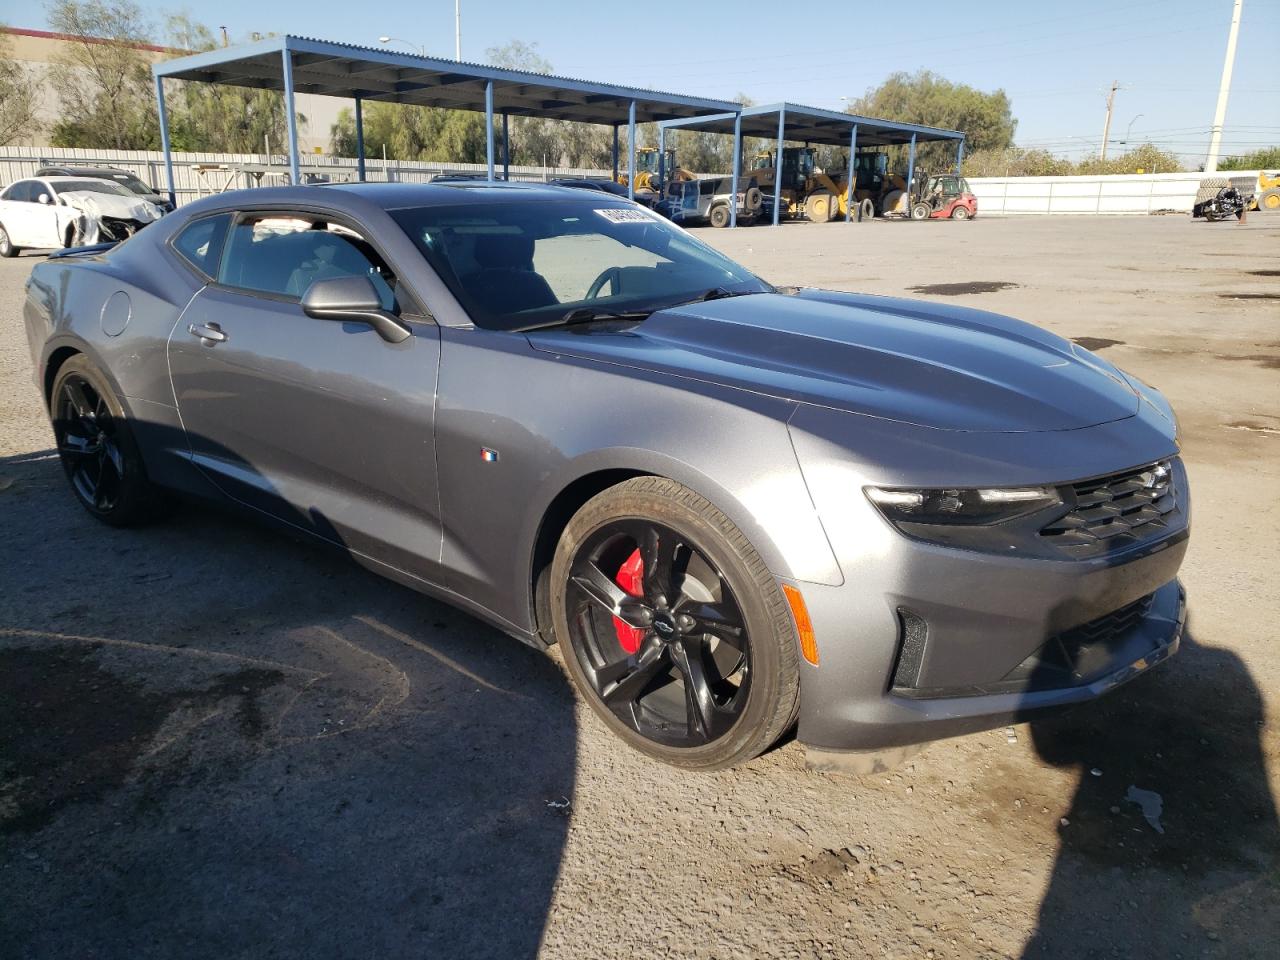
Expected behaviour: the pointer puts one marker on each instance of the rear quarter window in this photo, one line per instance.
(200, 243)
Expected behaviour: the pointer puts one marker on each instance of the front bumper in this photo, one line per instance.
(924, 641)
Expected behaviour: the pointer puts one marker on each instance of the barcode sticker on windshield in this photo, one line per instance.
(622, 215)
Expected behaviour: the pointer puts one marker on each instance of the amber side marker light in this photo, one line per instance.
(804, 626)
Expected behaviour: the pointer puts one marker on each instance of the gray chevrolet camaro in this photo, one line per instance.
(738, 508)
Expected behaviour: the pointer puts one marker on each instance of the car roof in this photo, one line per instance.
(391, 196)
(54, 170)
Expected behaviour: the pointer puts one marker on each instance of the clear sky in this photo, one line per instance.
(1056, 61)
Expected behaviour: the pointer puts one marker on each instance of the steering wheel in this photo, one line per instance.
(612, 275)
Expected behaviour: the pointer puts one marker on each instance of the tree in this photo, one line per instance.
(104, 89)
(1268, 158)
(19, 88)
(986, 119)
(214, 117)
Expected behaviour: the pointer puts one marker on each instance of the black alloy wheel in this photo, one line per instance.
(672, 659)
(88, 444)
(673, 629)
(97, 448)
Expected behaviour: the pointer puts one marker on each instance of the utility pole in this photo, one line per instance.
(457, 30)
(1220, 114)
(1106, 127)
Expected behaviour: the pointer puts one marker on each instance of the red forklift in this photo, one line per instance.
(944, 197)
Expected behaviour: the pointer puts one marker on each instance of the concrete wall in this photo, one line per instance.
(1120, 194)
(17, 162)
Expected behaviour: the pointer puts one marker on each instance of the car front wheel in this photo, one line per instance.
(7, 249)
(672, 627)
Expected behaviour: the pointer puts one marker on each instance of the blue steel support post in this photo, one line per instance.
(737, 162)
(959, 156)
(506, 145)
(662, 160)
(911, 171)
(615, 153)
(359, 141)
(291, 115)
(631, 151)
(488, 127)
(164, 140)
(777, 166)
(853, 153)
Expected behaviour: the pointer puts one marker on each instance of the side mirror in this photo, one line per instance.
(353, 299)
(43, 198)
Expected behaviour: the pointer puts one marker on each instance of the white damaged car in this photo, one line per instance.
(45, 213)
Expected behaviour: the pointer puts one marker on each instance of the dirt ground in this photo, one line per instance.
(217, 742)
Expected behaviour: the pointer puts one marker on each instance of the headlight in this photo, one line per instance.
(999, 520)
(968, 507)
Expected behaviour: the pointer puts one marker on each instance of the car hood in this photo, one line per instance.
(950, 368)
(99, 205)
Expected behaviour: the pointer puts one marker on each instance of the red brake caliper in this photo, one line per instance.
(631, 579)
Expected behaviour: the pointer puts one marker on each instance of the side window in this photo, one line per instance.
(284, 255)
(20, 191)
(201, 242)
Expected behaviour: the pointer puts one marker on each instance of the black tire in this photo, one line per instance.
(7, 249)
(959, 213)
(867, 209)
(97, 448)
(727, 619)
(921, 211)
(719, 215)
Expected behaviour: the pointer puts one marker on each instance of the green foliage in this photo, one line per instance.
(104, 89)
(986, 119)
(207, 117)
(19, 87)
(1018, 162)
(1268, 158)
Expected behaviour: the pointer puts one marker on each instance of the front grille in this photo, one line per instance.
(1082, 653)
(1114, 512)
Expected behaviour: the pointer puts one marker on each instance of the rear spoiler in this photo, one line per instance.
(89, 251)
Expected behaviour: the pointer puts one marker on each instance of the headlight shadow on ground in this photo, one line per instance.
(215, 742)
(1172, 817)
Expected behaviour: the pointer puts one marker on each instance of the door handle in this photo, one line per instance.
(210, 333)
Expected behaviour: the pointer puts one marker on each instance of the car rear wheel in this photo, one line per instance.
(719, 216)
(7, 249)
(960, 213)
(672, 627)
(97, 447)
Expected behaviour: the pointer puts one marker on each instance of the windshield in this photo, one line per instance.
(522, 264)
(132, 184)
(89, 186)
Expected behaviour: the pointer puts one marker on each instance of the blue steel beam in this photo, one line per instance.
(359, 140)
(777, 166)
(911, 171)
(488, 127)
(737, 162)
(959, 156)
(164, 139)
(631, 151)
(853, 152)
(506, 145)
(291, 114)
(662, 161)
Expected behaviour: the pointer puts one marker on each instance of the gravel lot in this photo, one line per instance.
(217, 742)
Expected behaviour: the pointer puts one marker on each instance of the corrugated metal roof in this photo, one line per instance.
(348, 70)
(816, 125)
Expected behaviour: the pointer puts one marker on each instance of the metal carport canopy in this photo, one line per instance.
(302, 65)
(794, 121)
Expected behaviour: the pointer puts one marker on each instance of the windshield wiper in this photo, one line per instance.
(719, 293)
(585, 315)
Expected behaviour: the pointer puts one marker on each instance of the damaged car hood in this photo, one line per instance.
(98, 205)
(950, 368)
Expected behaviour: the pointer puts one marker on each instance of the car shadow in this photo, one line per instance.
(218, 742)
(1172, 831)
